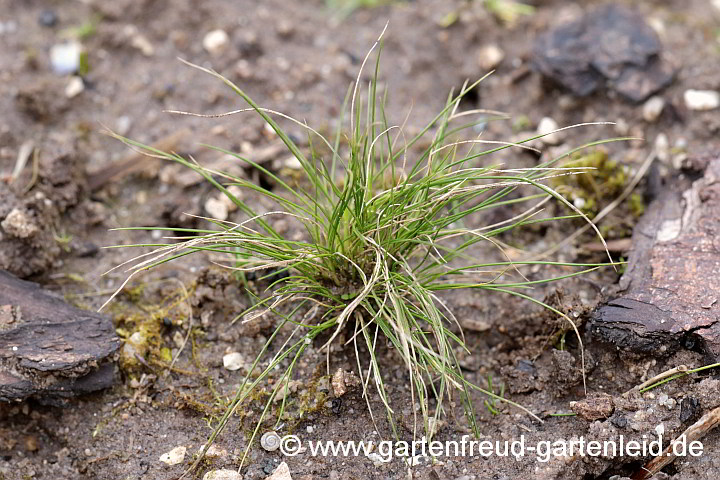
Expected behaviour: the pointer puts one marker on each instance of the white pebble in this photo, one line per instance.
(215, 452)
(216, 208)
(282, 472)
(490, 57)
(215, 41)
(546, 126)
(376, 459)
(292, 163)
(174, 456)
(702, 99)
(662, 147)
(233, 361)
(65, 57)
(223, 474)
(123, 124)
(74, 87)
(652, 109)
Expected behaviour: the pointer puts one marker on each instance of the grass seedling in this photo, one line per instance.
(379, 247)
(491, 403)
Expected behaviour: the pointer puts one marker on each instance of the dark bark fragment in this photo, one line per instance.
(670, 294)
(48, 348)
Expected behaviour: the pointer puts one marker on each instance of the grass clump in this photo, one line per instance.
(380, 246)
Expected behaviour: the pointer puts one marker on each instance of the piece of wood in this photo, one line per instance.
(49, 348)
(669, 297)
(695, 432)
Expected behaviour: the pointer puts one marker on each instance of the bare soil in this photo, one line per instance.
(298, 58)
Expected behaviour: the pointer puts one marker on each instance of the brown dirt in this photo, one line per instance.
(294, 57)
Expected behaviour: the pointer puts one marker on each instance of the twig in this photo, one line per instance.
(26, 149)
(695, 432)
(657, 378)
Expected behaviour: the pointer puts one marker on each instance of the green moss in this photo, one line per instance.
(521, 123)
(139, 321)
(637, 204)
(165, 354)
(592, 189)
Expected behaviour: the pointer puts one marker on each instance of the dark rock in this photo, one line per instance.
(526, 366)
(49, 349)
(48, 18)
(609, 44)
(689, 410)
(669, 297)
(619, 420)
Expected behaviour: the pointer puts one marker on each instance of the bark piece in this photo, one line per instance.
(670, 293)
(49, 348)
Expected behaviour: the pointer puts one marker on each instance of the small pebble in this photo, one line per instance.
(233, 361)
(701, 99)
(338, 383)
(490, 57)
(19, 224)
(74, 87)
(285, 28)
(214, 452)
(376, 459)
(223, 474)
(282, 472)
(292, 163)
(47, 18)
(662, 147)
(174, 456)
(216, 208)
(8, 27)
(546, 126)
(139, 41)
(622, 127)
(65, 57)
(215, 41)
(123, 124)
(652, 109)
